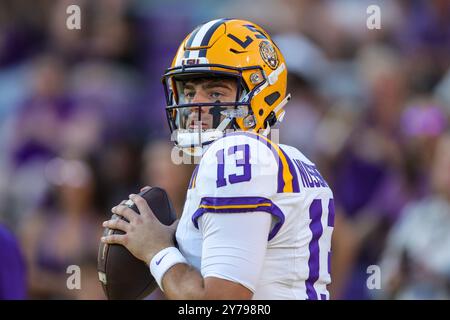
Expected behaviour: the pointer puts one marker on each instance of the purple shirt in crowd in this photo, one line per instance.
(12, 267)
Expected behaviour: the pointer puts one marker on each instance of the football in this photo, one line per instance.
(122, 275)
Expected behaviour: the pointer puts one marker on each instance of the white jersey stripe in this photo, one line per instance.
(199, 37)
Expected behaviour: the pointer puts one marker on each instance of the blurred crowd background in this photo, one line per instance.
(82, 125)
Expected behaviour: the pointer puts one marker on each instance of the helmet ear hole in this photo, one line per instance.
(271, 98)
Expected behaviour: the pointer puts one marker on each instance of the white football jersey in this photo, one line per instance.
(245, 175)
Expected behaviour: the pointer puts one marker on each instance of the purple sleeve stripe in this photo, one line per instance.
(281, 186)
(193, 177)
(240, 205)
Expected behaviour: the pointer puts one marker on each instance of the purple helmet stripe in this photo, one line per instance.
(189, 42)
(208, 35)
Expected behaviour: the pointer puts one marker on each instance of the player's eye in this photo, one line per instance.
(189, 95)
(215, 95)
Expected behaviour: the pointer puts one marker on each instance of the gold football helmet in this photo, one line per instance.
(234, 49)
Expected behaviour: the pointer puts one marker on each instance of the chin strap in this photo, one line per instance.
(224, 124)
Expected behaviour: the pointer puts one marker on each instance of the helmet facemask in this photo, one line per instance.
(231, 48)
(196, 124)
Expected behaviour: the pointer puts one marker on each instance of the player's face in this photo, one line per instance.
(205, 91)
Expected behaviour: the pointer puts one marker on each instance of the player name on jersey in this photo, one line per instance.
(311, 177)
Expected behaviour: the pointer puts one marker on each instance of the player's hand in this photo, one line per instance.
(144, 234)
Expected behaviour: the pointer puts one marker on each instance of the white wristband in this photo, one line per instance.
(163, 261)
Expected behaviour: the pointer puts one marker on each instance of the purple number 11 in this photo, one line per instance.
(243, 162)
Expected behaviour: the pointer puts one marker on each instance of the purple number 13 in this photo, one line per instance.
(243, 162)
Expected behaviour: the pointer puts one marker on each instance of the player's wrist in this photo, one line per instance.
(152, 252)
(165, 259)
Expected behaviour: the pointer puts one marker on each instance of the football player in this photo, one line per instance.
(258, 217)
